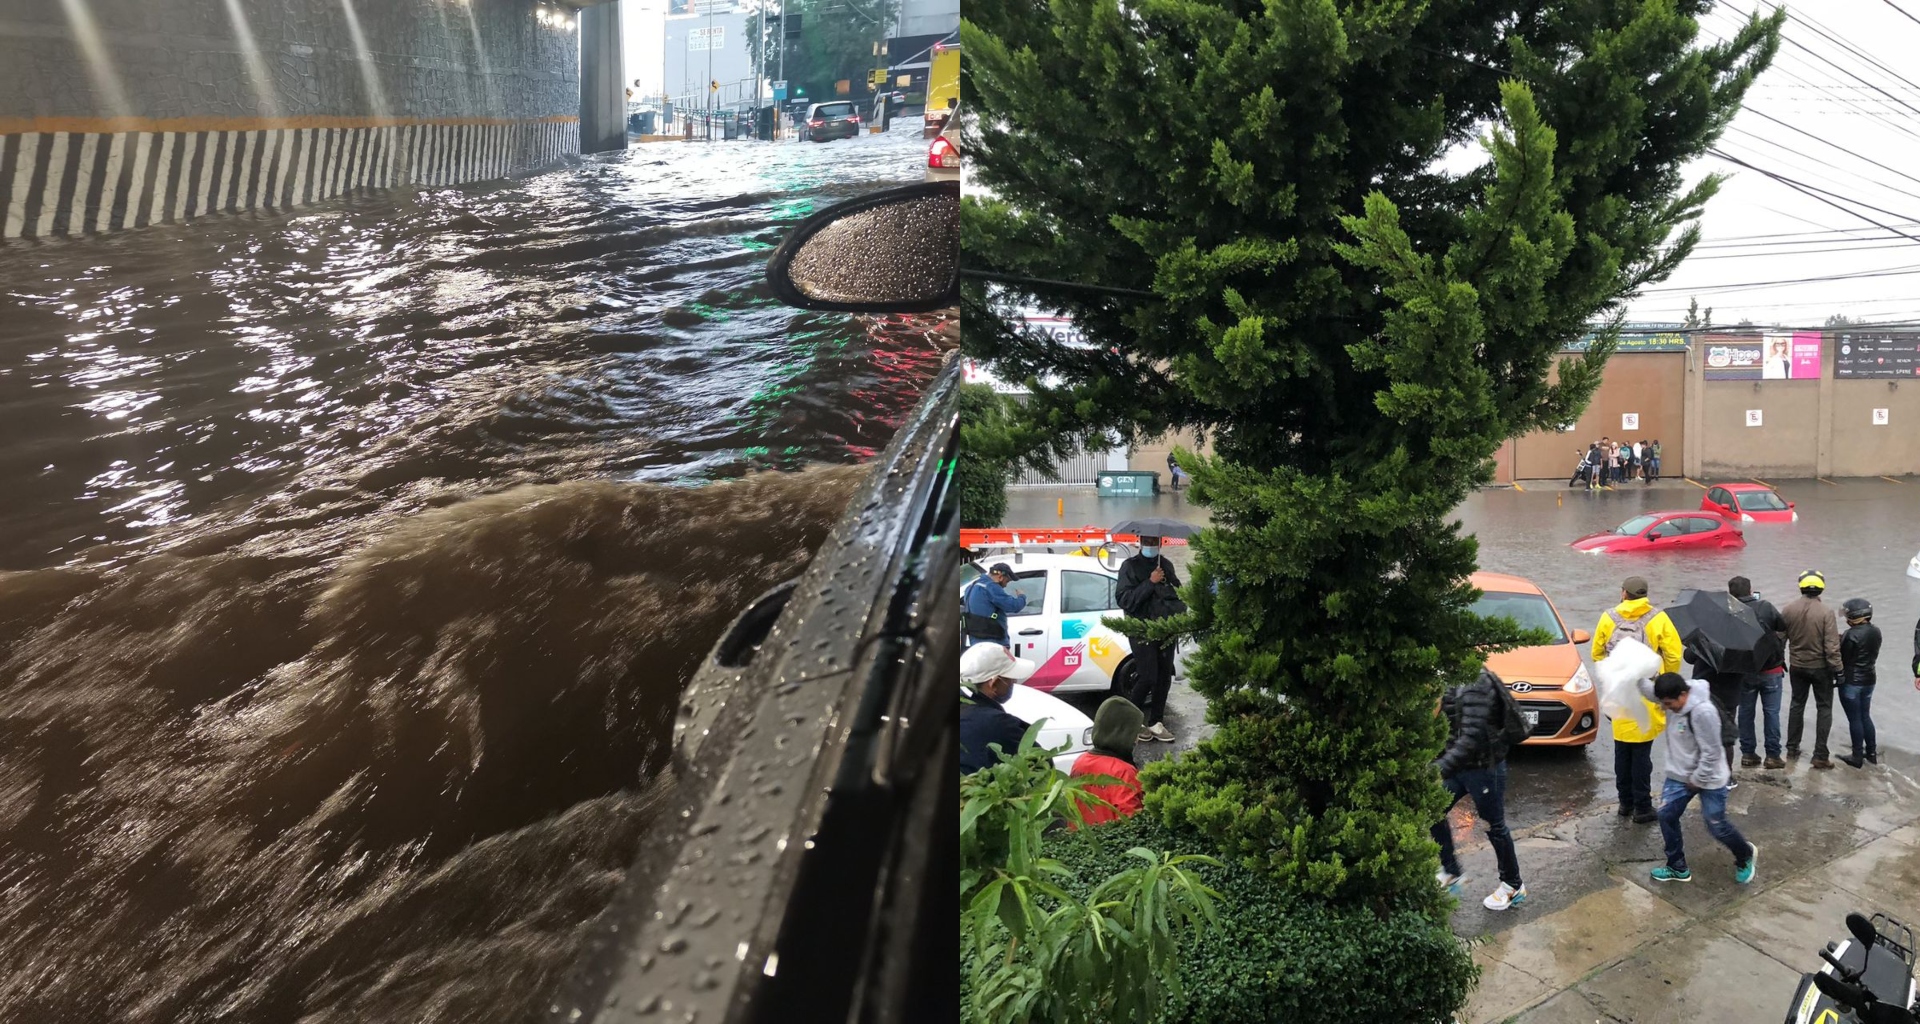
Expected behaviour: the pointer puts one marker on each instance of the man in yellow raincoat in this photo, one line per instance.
(1636, 617)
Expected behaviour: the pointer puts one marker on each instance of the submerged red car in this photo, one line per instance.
(1666, 531)
(1749, 503)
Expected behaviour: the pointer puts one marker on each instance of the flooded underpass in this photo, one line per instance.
(350, 562)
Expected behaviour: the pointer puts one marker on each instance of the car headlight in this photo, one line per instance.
(1745, 518)
(1086, 737)
(1581, 682)
(1796, 516)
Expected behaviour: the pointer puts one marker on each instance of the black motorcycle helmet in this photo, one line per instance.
(1857, 609)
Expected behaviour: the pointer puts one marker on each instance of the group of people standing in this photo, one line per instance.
(1607, 462)
(1703, 720)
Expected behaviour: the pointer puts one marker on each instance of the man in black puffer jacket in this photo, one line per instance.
(1475, 764)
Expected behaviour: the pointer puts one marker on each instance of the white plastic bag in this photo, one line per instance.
(1618, 677)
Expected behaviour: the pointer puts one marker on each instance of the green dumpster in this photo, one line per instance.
(1127, 483)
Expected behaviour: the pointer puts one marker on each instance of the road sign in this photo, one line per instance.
(780, 90)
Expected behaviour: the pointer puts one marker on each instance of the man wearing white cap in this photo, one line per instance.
(988, 673)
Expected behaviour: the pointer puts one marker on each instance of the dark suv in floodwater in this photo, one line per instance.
(839, 120)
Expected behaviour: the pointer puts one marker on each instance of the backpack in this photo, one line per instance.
(979, 627)
(1635, 628)
(1513, 726)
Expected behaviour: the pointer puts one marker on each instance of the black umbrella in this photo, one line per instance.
(1155, 527)
(1721, 633)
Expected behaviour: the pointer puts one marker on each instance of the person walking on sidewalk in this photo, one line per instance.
(1636, 617)
(1859, 650)
(1813, 659)
(1148, 589)
(987, 604)
(1695, 768)
(1763, 687)
(1482, 721)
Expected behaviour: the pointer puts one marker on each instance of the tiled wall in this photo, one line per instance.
(80, 182)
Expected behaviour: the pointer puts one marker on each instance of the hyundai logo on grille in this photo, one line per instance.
(1521, 687)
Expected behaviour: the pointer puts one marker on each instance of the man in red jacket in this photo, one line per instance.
(1114, 727)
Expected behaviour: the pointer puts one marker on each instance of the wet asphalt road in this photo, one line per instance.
(1860, 533)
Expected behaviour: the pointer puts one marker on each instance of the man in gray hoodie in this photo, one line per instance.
(1696, 766)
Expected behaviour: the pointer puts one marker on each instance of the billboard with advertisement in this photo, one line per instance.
(1775, 355)
(1859, 355)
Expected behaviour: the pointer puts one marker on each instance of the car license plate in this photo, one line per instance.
(1532, 717)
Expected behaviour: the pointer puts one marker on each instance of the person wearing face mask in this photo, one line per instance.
(988, 674)
(1148, 589)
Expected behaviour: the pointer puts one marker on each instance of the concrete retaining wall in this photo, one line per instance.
(124, 113)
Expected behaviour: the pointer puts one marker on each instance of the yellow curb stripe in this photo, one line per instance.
(1519, 488)
(1891, 480)
(1826, 481)
(1694, 482)
(113, 125)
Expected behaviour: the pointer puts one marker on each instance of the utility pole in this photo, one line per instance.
(710, 88)
(759, 52)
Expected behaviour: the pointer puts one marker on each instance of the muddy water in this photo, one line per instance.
(350, 564)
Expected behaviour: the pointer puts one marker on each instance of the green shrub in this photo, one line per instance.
(981, 477)
(1280, 956)
(1042, 945)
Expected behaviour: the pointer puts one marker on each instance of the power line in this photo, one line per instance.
(1903, 13)
(1812, 190)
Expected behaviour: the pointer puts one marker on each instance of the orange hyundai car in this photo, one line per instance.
(1550, 683)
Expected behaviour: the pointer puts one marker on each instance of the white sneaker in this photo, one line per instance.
(1161, 732)
(1505, 896)
(1447, 879)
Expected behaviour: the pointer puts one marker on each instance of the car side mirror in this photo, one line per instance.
(1581, 636)
(894, 251)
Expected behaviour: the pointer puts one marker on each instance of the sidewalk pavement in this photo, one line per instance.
(1599, 940)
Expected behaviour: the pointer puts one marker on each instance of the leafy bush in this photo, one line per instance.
(1041, 944)
(1281, 956)
(981, 477)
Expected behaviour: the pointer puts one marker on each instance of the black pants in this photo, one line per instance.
(1820, 681)
(1633, 775)
(1153, 677)
(1725, 691)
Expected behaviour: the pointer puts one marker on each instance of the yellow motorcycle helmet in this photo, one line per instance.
(1811, 580)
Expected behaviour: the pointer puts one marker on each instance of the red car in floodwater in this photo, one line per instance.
(1692, 530)
(1748, 503)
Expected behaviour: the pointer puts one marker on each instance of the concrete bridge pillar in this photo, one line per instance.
(603, 98)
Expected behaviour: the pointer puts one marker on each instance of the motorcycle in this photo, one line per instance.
(1868, 979)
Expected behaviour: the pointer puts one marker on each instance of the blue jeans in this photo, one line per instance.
(1488, 788)
(1765, 691)
(1857, 702)
(1674, 798)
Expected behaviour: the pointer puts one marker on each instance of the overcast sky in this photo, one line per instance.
(1822, 95)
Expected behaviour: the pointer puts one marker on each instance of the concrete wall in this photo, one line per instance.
(122, 113)
(1862, 447)
(1785, 444)
(1650, 385)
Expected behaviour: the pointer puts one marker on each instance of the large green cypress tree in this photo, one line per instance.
(1356, 329)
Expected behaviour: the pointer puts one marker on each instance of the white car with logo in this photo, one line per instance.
(1063, 723)
(1060, 628)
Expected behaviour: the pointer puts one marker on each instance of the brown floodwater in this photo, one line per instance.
(351, 563)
